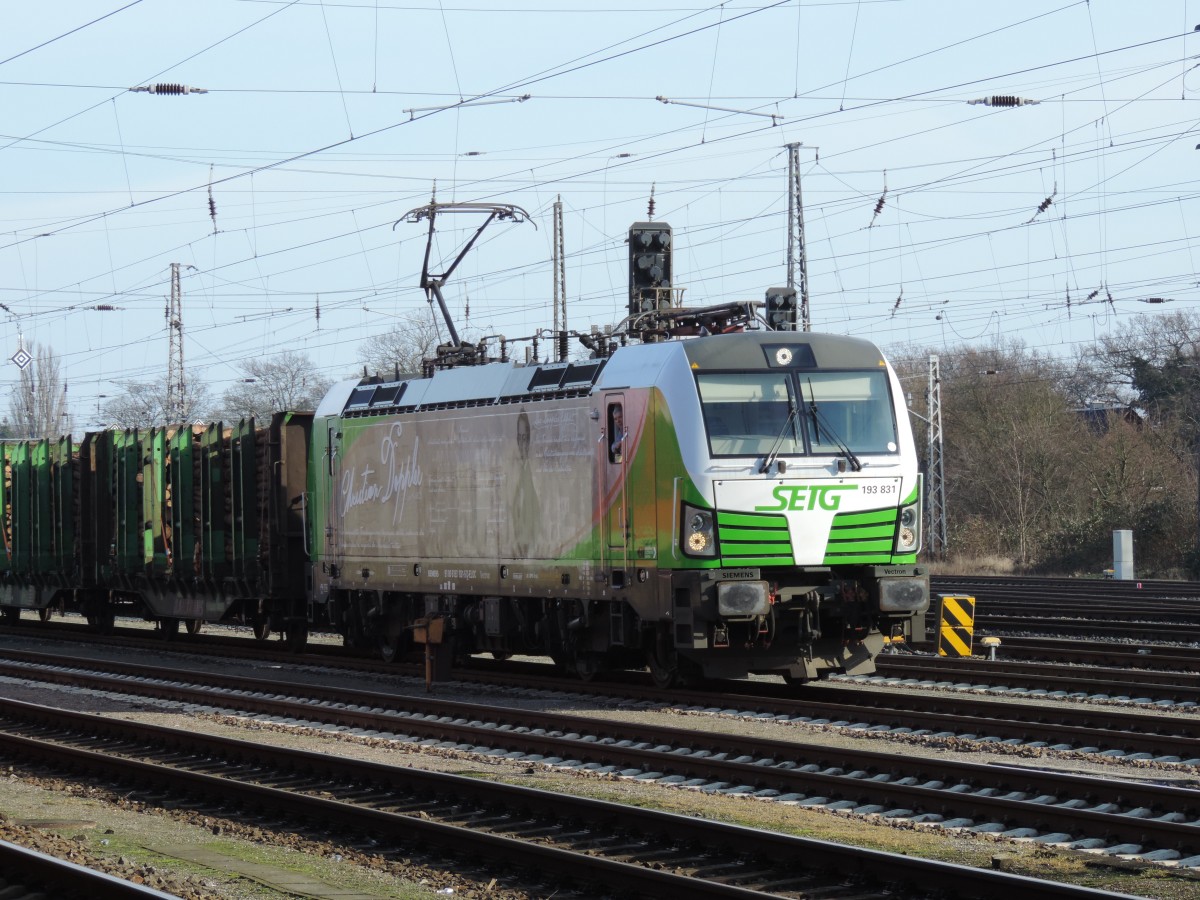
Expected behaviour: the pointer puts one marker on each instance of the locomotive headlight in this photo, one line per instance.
(699, 537)
(908, 535)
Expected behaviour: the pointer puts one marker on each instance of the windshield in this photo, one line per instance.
(746, 413)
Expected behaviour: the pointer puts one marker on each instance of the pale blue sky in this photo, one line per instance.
(306, 139)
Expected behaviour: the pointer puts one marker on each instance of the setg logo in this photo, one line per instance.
(799, 497)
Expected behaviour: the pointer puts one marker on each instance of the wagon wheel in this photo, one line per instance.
(44, 614)
(193, 625)
(262, 629)
(297, 636)
(390, 647)
(170, 628)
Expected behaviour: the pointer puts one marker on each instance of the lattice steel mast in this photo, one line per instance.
(560, 282)
(176, 383)
(797, 257)
(935, 505)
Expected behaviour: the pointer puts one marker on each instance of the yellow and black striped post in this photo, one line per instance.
(956, 625)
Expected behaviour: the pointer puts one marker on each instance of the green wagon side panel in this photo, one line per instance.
(41, 532)
(127, 501)
(63, 468)
(244, 507)
(154, 499)
(20, 507)
(5, 513)
(214, 556)
(97, 524)
(181, 504)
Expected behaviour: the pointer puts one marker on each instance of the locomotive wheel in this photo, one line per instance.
(193, 625)
(588, 666)
(663, 672)
(262, 629)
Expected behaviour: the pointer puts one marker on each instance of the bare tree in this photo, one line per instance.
(401, 348)
(39, 401)
(143, 404)
(287, 381)
(1012, 449)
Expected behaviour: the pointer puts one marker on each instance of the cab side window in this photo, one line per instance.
(616, 433)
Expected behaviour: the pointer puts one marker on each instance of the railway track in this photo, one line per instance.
(1137, 630)
(1154, 822)
(577, 842)
(1116, 610)
(25, 873)
(1053, 682)
(1150, 656)
(963, 716)
(1180, 690)
(1057, 589)
(968, 717)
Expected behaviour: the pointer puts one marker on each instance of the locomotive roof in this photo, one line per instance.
(509, 382)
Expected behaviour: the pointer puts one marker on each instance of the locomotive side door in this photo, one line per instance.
(616, 505)
(333, 466)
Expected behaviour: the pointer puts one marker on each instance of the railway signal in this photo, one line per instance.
(649, 267)
(781, 309)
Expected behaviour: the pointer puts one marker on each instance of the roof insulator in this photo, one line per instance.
(168, 89)
(1003, 100)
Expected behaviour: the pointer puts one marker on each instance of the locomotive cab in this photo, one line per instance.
(797, 502)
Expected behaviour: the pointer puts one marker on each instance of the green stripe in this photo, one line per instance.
(737, 549)
(858, 547)
(834, 558)
(837, 558)
(755, 534)
(759, 560)
(873, 517)
(751, 520)
(862, 532)
(751, 539)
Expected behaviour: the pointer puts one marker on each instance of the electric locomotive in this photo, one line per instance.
(712, 506)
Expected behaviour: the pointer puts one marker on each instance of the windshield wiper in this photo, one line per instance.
(819, 420)
(778, 445)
